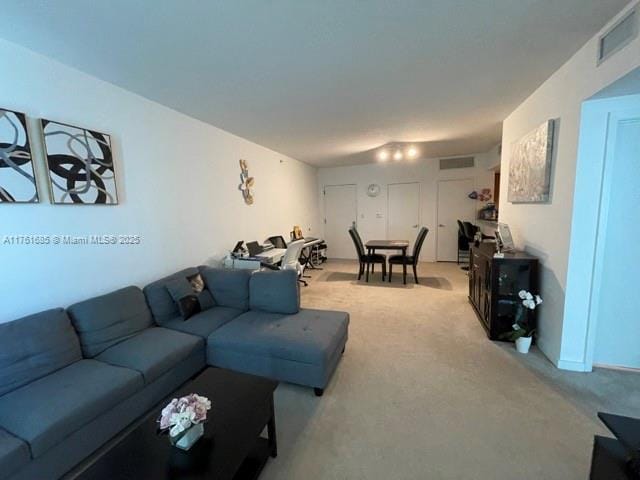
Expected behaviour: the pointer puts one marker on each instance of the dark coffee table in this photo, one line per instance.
(232, 446)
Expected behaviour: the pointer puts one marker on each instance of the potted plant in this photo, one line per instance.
(522, 333)
(183, 419)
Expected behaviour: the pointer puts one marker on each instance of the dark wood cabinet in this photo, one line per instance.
(494, 284)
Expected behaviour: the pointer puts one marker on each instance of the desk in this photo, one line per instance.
(265, 259)
(272, 256)
(403, 245)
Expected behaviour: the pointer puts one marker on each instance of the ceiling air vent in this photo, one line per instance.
(460, 162)
(618, 36)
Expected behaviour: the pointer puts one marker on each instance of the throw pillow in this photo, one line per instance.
(190, 295)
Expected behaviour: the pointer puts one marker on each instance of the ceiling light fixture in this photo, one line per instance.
(383, 155)
(398, 155)
(412, 152)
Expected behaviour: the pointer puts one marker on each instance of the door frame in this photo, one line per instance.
(419, 205)
(473, 180)
(598, 131)
(324, 203)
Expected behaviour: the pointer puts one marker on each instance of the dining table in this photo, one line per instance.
(398, 245)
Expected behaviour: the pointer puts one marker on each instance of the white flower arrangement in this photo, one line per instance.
(521, 327)
(182, 413)
(528, 300)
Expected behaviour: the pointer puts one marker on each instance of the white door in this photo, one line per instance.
(340, 213)
(403, 215)
(617, 302)
(453, 204)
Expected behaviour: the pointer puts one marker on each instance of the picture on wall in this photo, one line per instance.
(80, 165)
(17, 177)
(530, 166)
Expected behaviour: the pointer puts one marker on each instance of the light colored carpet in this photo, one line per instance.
(421, 393)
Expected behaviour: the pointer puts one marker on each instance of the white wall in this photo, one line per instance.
(544, 229)
(372, 212)
(178, 189)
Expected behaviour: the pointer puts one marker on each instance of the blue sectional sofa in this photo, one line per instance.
(72, 379)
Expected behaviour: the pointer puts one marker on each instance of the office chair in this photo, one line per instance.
(411, 259)
(278, 241)
(291, 259)
(366, 259)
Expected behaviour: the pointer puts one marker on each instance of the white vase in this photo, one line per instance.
(190, 437)
(523, 344)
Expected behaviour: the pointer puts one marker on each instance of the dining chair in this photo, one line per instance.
(463, 241)
(470, 232)
(410, 259)
(365, 259)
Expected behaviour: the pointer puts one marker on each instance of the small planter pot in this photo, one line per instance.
(523, 344)
(186, 439)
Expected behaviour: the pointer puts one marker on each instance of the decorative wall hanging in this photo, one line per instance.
(484, 195)
(80, 165)
(17, 177)
(246, 183)
(530, 166)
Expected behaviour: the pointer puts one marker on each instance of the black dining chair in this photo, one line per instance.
(470, 232)
(365, 259)
(463, 241)
(410, 259)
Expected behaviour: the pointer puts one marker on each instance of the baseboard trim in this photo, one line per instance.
(573, 366)
(617, 367)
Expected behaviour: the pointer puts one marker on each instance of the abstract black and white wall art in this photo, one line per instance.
(17, 178)
(80, 165)
(530, 166)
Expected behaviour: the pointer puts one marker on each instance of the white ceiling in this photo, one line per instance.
(324, 81)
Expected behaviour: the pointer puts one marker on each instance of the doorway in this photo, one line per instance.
(600, 308)
(616, 303)
(340, 214)
(403, 211)
(453, 204)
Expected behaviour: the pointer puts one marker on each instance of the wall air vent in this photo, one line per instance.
(460, 162)
(618, 36)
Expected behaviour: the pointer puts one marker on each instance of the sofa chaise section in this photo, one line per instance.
(277, 339)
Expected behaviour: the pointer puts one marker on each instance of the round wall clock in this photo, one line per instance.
(373, 190)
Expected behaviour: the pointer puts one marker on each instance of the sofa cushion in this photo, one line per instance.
(35, 346)
(153, 351)
(14, 454)
(203, 323)
(108, 319)
(229, 287)
(44, 412)
(309, 336)
(275, 292)
(162, 305)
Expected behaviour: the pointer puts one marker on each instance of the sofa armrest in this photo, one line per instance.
(275, 292)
